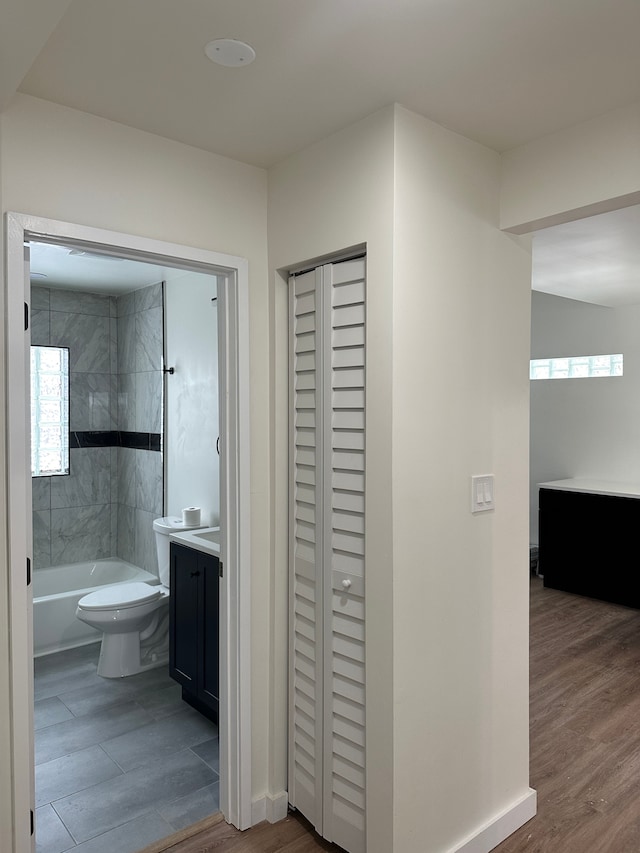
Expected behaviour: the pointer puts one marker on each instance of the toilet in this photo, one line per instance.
(134, 617)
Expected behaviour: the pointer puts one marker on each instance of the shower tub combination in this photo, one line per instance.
(56, 593)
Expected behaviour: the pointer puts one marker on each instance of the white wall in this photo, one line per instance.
(461, 301)
(449, 259)
(67, 165)
(192, 469)
(585, 169)
(336, 194)
(447, 396)
(584, 427)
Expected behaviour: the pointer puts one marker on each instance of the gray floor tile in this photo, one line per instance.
(73, 773)
(51, 835)
(117, 801)
(151, 679)
(65, 671)
(159, 739)
(129, 838)
(68, 660)
(109, 812)
(46, 712)
(106, 692)
(192, 808)
(80, 732)
(97, 697)
(163, 701)
(209, 751)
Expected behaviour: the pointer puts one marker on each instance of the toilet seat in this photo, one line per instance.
(120, 596)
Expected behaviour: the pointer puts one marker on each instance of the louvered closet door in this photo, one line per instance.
(327, 743)
(305, 551)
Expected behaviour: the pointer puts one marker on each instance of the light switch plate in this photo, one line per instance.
(482, 493)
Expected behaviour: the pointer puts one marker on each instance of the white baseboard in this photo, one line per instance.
(489, 835)
(271, 808)
(492, 833)
(277, 807)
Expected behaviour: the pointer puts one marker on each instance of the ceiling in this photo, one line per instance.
(65, 267)
(596, 259)
(501, 72)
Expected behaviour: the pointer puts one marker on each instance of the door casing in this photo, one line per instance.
(235, 605)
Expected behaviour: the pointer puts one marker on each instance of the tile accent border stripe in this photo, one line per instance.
(115, 438)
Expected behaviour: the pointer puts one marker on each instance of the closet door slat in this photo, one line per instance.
(305, 557)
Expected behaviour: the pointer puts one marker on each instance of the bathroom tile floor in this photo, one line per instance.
(119, 763)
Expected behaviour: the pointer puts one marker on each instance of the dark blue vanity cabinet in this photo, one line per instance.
(194, 627)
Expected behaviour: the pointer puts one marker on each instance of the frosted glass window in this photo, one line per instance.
(576, 367)
(49, 411)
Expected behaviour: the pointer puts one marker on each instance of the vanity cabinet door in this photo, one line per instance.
(194, 627)
(183, 617)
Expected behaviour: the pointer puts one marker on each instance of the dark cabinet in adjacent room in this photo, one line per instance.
(587, 539)
(194, 627)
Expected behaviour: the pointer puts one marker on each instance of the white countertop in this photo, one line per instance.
(205, 539)
(591, 486)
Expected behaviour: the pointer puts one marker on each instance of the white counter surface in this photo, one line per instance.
(205, 539)
(597, 487)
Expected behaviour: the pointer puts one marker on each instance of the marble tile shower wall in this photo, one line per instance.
(106, 505)
(140, 352)
(72, 516)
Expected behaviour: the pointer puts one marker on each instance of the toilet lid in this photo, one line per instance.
(120, 595)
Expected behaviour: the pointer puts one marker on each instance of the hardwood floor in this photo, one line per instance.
(585, 741)
(291, 835)
(585, 726)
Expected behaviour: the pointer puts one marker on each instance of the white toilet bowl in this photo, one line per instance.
(134, 617)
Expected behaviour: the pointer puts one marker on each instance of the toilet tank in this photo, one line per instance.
(162, 527)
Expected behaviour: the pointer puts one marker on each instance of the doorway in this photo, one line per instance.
(585, 305)
(233, 335)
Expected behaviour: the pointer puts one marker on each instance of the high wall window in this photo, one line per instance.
(49, 411)
(576, 367)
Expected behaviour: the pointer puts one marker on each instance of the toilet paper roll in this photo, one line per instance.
(191, 516)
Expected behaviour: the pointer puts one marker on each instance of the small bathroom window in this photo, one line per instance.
(49, 411)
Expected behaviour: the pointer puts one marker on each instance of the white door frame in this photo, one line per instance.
(235, 611)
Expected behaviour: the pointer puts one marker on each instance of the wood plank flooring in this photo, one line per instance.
(291, 835)
(585, 741)
(585, 726)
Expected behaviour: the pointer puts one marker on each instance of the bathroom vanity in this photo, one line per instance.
(587, 532)
(194, 618)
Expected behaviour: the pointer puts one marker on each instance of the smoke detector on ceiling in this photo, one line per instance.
(230, 52)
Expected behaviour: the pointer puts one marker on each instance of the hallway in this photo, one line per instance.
(585, 741)
(585, 735)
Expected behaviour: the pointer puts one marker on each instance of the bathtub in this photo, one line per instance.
(56, 592)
